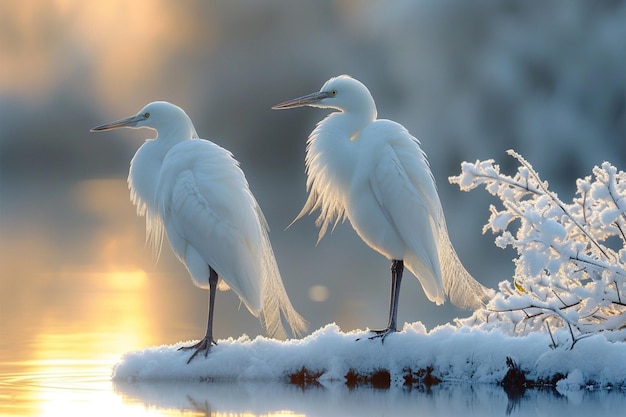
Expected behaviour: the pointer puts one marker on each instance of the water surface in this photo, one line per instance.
(79, 387)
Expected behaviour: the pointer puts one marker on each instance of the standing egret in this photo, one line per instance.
(374, 173)
(195, 191)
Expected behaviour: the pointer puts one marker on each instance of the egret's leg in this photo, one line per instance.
(397, 268)
(206, 343)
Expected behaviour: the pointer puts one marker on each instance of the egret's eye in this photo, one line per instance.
(333, 92)
(146, 115)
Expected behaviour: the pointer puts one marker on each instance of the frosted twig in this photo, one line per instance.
(565, 276)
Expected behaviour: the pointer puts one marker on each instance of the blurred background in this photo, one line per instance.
(469, 79)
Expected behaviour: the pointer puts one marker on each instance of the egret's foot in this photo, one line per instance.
(380, 333)
(203, 345)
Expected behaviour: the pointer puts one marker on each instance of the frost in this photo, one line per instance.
(566, 276)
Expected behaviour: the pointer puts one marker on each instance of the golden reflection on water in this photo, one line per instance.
(67, 318)
(68, 363)
(64, 327)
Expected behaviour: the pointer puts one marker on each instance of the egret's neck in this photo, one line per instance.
(348, 125)
(333, 150)
(174, 133)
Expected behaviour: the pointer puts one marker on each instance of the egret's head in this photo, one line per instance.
(342, 93)
(158, 115)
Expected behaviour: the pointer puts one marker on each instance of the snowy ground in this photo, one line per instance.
(330, 356)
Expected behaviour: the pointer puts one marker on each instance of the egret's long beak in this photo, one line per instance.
(308, 100)
(128, 122)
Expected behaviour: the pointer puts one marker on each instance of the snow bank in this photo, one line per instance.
(446, 353)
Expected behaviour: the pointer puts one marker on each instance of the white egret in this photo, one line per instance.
(374, 173)
(195, 192)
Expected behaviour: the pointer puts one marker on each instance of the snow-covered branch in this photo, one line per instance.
(571, 265)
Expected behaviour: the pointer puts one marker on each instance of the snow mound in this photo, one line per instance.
(446, 353)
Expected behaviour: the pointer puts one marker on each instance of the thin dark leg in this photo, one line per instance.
(397, 269)
(206, 343)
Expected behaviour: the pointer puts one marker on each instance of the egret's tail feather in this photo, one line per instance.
(461, 288)
(275, 301)
(276, 306)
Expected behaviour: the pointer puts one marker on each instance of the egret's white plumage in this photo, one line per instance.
(374, 173)
(194, 191)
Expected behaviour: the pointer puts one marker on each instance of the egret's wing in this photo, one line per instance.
(212, 218)
(404, 188)
(460, 287)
